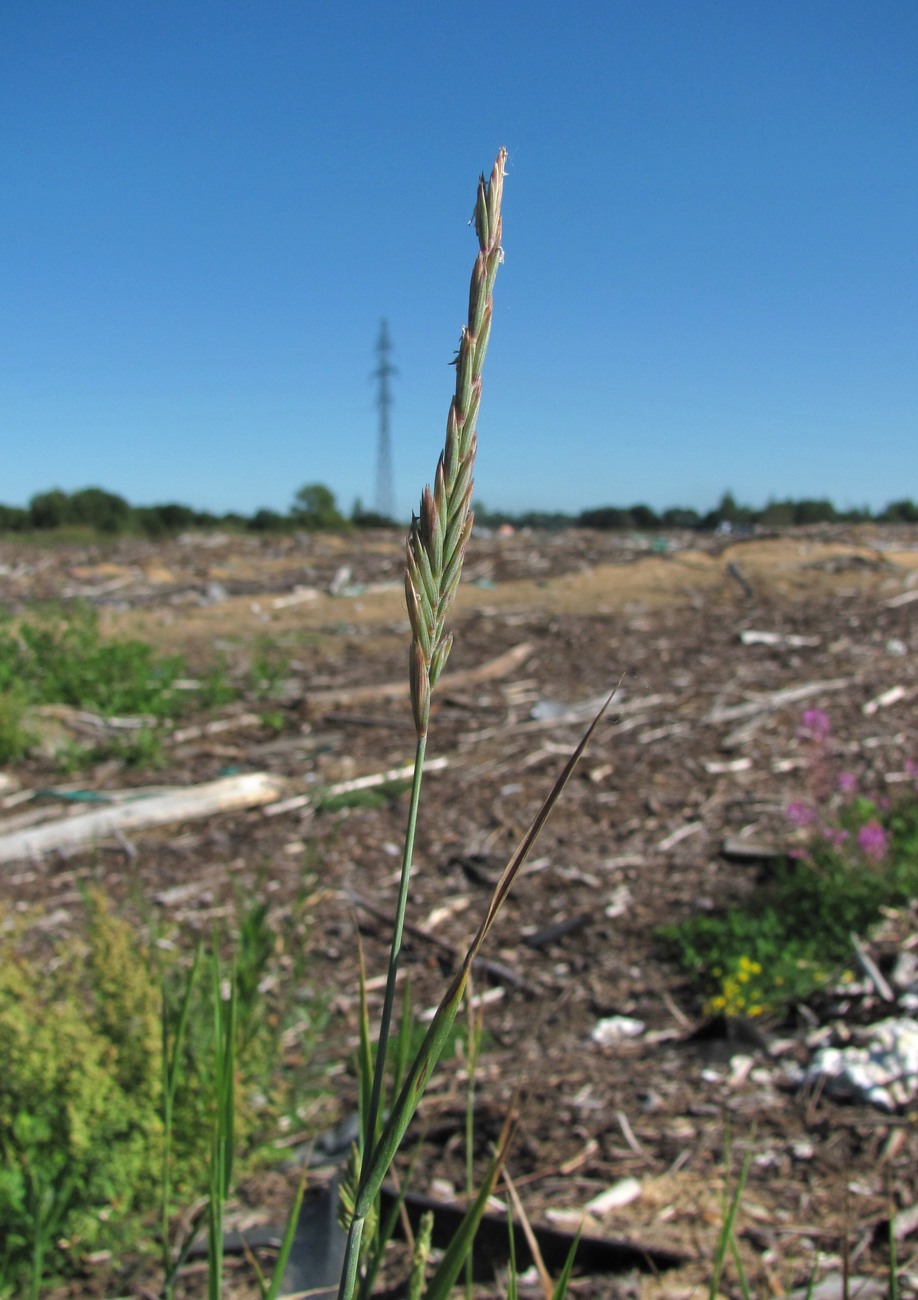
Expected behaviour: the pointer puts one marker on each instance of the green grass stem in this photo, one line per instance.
(395, 950)
(171, 1066)
(436, 548)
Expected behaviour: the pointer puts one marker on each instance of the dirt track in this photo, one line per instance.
(636, 841)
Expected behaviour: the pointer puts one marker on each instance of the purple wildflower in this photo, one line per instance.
(801, 814)
(847, 783)
(873, 841)
(834, 835)
(815, 725)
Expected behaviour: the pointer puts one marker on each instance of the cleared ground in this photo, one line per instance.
(679, 768)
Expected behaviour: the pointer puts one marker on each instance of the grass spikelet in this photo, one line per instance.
(439, 534)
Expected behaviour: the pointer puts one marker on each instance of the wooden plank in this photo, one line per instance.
(228, 794)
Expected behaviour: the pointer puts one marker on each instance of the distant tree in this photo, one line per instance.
(777, 514)
(485, 518)
(679, 517)
(611, 517)
(50, 509)
(549, 521)
(105, 511)
(314, 508)
(267, 521)
(900, 512)
(205, 519)
(809, 511)
(644, 517)
(13, 519)
(372, 519)
(147, 520)
(730, 512)
(174, 516)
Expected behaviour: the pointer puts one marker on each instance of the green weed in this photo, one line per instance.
(15, 736)
(794, 937)
(379, 796)
(107, 1095)
(80, 1124)
(59, 656)
(269, 668)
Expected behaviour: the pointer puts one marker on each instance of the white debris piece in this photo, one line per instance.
(613, 1029)
(621, 1193)
(751, 636)
(619, 902)
(883, 1072)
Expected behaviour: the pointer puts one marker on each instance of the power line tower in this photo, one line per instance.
(385, 496)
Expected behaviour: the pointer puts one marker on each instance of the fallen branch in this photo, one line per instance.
(370, 782)
(776, 700)
(186, 804)
(872, 971)
(215, 728)
(904, 598)
(894, 695)
(502, 666)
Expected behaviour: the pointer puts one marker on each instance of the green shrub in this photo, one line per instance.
(81, 1083)
(14, 733)
(63, 659)
(79, 1094)
(60, 657)
(796, 935)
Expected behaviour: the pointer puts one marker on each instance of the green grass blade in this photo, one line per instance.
(512, 1287)
(725, 1239)
(564, 1280)
(893, 1260)
(286, 1245)
(402, 1054)
(745, 1291)
(439, 1286)
(364, 1059)
(386, 1230)
(171, 1066)
(395, 950)
(375, 1167)
(377, 1254)
(221, 1169)
(174, 1059)
(475, 1023)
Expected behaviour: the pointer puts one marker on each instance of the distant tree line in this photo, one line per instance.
(727, 514)
(314, 508)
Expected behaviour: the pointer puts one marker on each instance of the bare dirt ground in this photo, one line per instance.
(700, 747)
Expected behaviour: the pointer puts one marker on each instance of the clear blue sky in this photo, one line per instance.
(710, 226)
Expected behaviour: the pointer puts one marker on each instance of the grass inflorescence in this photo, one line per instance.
(436, 548)
(440, 532)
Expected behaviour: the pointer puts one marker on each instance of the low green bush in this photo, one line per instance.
(59, 656)
(794, 935)
(81, 1084)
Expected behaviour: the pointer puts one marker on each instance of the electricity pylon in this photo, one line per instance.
(385, 496)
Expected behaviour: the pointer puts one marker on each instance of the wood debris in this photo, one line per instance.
(227, 794)
(501, 666)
